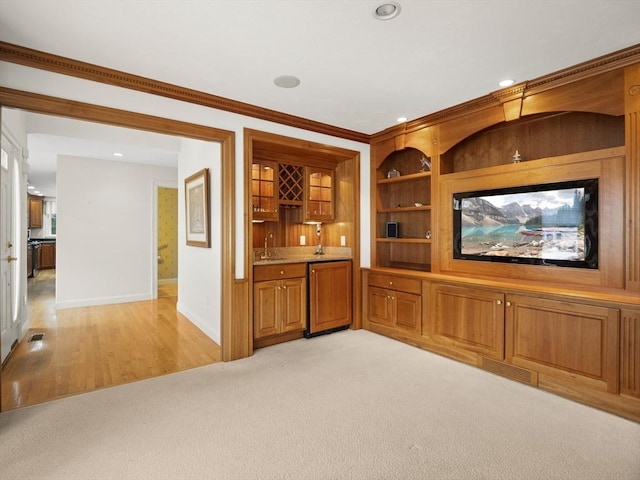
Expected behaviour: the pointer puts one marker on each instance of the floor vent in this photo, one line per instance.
(509, 371)
(36, 337)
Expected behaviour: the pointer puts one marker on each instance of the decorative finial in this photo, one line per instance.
(516, 157)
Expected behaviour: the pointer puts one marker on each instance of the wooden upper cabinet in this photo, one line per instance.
(319, 204)
(264, 190)
(35, 212)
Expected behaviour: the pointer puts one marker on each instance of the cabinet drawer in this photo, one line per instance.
(276, 272)
(402, 284)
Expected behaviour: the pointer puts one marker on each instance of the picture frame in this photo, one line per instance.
(196, 192)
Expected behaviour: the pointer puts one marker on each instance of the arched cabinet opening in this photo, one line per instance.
(534, 137)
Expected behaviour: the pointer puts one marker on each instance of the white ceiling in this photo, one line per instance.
(356, 72)
(53, 136)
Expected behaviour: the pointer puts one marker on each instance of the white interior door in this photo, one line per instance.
(10, 250)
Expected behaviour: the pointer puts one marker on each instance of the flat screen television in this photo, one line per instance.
(550, 224)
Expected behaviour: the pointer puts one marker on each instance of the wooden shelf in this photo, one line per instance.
(395, 202)
(421, 267)
(405, 178)
(403, 240)
(405, 209)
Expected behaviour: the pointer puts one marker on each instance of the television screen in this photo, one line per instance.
(550, 224)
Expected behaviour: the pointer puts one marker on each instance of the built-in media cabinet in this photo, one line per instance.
(506, 233)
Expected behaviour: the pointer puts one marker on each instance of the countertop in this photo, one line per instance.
(37, 241)
(303, 255)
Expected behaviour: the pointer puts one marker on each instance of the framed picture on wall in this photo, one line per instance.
(196, 191)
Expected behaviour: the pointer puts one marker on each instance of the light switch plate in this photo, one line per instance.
(303, 240)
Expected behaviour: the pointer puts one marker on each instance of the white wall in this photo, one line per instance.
(104, 249)
(199, 298)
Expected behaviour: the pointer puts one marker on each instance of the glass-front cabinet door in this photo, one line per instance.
(264, 190)
(319, 203)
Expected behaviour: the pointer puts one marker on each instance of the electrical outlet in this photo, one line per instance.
(343, 240)
(303, 240)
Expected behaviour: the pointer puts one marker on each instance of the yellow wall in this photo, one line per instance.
(168, 232)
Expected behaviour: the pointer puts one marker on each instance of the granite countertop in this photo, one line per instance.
(41, 240)
(302, 255)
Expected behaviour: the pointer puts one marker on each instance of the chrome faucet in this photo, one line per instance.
(266, 253)
(318, 234)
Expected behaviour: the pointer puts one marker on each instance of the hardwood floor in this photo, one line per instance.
(89, 348)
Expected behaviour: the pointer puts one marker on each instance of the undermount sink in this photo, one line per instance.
(271, 259)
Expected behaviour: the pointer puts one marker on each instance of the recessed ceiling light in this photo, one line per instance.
(402, 119)
(118, 154)
(387, 11)
(286, 81)
(506, 83)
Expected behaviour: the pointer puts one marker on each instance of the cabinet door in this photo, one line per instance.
(319, 191)
(470, 318)
(330, 302)
(48, 255)
(35, 212)
(408, 311)
(264, 190)
(294, 304)
(265, 309)
(380, 306)
(564, 339)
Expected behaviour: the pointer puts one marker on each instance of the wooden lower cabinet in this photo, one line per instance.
(470, 318)
(47, 255)
(280, 304)
(566, 339)
(395, 302)
(330, 296)
(574, 348)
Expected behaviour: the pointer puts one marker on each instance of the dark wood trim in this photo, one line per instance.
(233, 339)
(67, 66)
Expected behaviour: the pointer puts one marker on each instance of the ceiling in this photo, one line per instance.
(356, 72)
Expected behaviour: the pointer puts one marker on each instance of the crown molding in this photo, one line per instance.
(66, 66)
(606, 63)
(87, 71)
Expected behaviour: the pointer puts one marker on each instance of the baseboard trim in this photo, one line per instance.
(92, 302)
(193, 318)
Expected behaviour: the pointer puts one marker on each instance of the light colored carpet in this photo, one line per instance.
(350, 405)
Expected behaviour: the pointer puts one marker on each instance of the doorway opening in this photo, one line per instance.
(153, 331)
(167, 241)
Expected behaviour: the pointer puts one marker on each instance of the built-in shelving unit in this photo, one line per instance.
(571, 331)
(404, 198)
